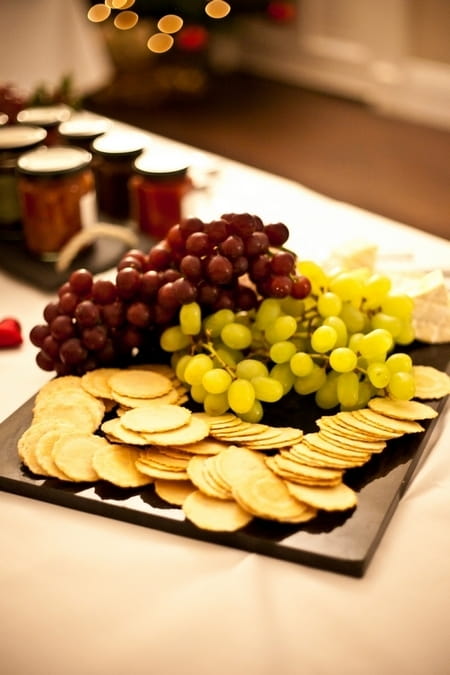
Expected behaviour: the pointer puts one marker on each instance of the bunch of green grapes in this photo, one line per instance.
(338, 344)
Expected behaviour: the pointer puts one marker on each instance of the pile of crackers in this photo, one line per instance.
(131, 428)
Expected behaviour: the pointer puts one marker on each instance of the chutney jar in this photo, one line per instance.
(57, 196)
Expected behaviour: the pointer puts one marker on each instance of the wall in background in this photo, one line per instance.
(392, 54)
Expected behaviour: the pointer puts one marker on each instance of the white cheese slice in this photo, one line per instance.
(431, 316)
(354, 254)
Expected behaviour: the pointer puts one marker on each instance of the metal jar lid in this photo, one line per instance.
(83, 126)
(44, 116)
(161, 166)
(18, 137)
(53, 161)
(120, 145)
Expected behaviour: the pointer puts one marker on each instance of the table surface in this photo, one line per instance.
(80, 593)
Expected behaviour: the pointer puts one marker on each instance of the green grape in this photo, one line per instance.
(389, 323)
(301, 364)
(341, 329)
(280, 352)
(343, 360)
(198, 393)
(399, 362)
(365, 392)
(406, 334)
(329, 304)
(191, 318)
(348, 389)
(196, 368)
(348, 286)
(323, 339)
(216, 381)
(244, 318)
(326, 396)
(312, 382)
(236, 335)
(255, 414)
(241, 396)
(399, 305)
(354, 342)
(401, 385)
(378, 342)
(283, 373)
(250, 368)
(172, 339)
(267, 312)
(181, 366)
(267, 389)
(292, 306)
(353, 318)
(226, 356)
(315, 274)
(215, 404)
(375, 290)
(214, 323)
(378, 374)
(282, 328)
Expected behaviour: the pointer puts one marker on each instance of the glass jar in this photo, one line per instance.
(82, 129)
(47, 117)
(114, 154)
(56, 191)
(14, 140)
(157, 189)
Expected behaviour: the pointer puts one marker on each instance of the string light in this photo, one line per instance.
(217, 9)
(126, 20)
(98, 13)
(160, 43)
(170, 23)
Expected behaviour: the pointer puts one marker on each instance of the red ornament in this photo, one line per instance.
(10, 333)
(281, 11)
(192, 38)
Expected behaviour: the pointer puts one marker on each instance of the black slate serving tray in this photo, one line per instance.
(339, 542)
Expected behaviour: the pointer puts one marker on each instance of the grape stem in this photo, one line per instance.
(211, 349)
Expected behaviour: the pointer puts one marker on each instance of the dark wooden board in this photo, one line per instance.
(339, 542)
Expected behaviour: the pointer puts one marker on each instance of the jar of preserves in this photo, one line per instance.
(14, 140)
(82, 129)
(114, 154)
(47, 117)
(57, 196)
(157, 189)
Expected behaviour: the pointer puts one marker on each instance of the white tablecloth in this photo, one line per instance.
(80, 593)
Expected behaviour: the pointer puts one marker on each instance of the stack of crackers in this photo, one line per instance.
(130, 427)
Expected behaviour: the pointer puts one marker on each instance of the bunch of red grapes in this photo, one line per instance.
(229, 263)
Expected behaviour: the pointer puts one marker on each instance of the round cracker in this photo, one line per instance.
(174, 491)
(96, 382)
(44, 450)
(117, 465)
(402, 410)
(159, 417)
(337, 498)
(213, 514)
(195, 430)
(265, 495)
(430, 382)
(140, 383)
(74, 454)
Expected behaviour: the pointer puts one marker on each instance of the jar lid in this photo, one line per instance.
(44, 116)
(20, 137)
(119, 144)
(83, 125)
(161, 166)
(56, 161)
